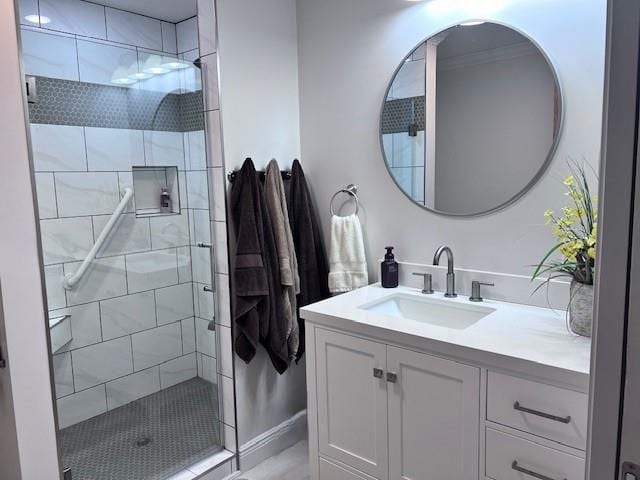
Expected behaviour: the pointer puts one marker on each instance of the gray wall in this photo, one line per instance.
(494, 121)
(260, 119)
(348, 52)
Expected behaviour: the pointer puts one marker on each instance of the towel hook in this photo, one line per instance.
(350, 189)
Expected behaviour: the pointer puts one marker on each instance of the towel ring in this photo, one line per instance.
(350, 189)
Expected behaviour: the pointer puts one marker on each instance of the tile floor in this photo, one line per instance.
(291, 464)
(150, 438)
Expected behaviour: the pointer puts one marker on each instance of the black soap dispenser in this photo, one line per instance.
(389, 270)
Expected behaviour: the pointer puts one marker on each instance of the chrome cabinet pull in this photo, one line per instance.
(538, 413)
(392, 377)
(378, 372)
(531, 473)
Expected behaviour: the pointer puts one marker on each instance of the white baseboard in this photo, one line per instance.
(273, 441)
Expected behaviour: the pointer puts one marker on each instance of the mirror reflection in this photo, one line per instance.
(470, 119)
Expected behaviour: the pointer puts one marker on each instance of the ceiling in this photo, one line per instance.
(464, 40)
(169, 10)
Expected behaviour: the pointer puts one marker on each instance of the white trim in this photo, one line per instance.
(499, 54)
(206, 466)
(273, 441)
(26, 334)
(618, 159)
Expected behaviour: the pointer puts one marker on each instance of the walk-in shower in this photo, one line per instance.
(117, 130)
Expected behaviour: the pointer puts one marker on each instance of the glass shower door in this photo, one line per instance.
(117, 112)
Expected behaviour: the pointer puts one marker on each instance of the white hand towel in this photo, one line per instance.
(347, 262)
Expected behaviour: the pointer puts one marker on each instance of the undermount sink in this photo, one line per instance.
(439, 312)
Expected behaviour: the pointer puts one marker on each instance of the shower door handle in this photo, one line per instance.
(31, 89)
(3, 362)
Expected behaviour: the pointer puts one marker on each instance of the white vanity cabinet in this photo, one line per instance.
(389, 412)
(397, 394)
(379, 411)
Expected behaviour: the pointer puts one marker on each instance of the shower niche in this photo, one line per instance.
(156, 191)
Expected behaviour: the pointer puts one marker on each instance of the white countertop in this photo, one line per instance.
(517, 337)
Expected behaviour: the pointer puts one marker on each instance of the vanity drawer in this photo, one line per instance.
(550, 412)
(514, 458)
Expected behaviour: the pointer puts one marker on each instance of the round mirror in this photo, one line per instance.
(471, 119)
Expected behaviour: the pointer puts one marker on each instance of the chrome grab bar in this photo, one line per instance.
(538, 413)
(72, 279)
(531, 473)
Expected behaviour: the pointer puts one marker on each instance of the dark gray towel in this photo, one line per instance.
(257, 308)
(307, 239)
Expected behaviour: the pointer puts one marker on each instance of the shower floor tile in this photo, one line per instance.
(148, 439)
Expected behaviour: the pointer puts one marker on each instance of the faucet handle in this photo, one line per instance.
(475, 290)
(427, 287)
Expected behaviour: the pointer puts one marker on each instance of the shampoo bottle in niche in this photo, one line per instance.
(389, 270)
(165, 200)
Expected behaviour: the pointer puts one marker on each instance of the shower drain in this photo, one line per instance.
(143, 441)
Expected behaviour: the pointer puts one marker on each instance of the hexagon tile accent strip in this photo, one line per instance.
(398, 114)
(150, 438)
(67, 102)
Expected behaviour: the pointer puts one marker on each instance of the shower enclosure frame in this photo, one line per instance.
(228, 435)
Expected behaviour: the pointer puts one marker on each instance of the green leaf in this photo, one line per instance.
(546, 282)
(544, 259)
(564, 268)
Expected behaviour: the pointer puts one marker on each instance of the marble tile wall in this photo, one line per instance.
(405, 159)
(140, 316)
(87, 42)
(95, 45)
(92, 20)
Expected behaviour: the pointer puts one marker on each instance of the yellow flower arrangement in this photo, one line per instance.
(576, 231)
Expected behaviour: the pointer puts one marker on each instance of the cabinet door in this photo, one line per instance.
(352, 402)
(434, 418)
(330, 471)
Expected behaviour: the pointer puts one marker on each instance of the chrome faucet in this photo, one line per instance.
(451, 276)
